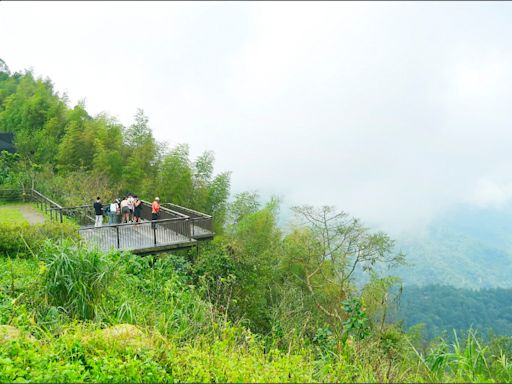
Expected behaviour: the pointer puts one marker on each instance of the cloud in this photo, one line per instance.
(393, 112)
(490, 193)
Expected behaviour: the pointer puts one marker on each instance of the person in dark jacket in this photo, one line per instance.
(137, 209)
(98, 210)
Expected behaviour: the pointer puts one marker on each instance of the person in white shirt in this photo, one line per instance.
(131, 203)
(112, 213)
(125, 211)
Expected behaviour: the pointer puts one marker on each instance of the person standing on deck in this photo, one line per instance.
(98, 209)
(112, 214)
(137, 209)
(155, 211)
(131, 201)
(125, 211)
(118, 211)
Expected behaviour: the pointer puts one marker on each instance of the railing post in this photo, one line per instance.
(154, 233)
(60, 211)
(117, 233)
(51, 215)
(188, 229)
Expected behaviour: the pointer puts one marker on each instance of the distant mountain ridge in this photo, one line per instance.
(442, 309)
(467, 247)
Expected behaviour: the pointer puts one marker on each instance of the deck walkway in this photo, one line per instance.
(138, 238)
(177, 228)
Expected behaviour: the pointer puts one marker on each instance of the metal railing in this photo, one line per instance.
(81, 214)
(165, 213)
(201, 223)
(148, 234)
(47, 205)
(175, 225)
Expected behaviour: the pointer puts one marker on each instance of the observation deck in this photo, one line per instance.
(177, 228)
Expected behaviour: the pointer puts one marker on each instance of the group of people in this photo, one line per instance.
(127, 210)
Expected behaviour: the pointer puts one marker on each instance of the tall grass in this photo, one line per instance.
(468, 360)
(75, 278)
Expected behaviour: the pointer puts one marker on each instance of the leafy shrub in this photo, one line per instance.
(22, 239)
(357, 322)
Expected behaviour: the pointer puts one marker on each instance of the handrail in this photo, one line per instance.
(162, 207)
(172, 227)
(137, 236)
(142, 222)
(46, 198)
(74, 207)
(12, 193)
(199, 214)
(166, 209)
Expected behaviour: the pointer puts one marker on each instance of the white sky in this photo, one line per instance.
(392, 111)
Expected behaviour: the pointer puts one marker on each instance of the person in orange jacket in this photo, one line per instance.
(155, 210)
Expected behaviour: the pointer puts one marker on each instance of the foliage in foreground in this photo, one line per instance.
(22, 239)
(148, 321)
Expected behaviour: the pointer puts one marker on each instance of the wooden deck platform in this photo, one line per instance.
(177, 228)
(143, 238)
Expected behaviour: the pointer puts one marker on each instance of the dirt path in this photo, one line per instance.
(31, 215)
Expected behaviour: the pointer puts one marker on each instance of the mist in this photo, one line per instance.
(393, 112)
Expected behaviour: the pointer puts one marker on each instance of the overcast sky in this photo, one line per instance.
(393, 111)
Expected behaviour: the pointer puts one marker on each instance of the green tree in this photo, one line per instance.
(243, 204)
(76, 150)
(108, 145)
(140, 152)
(9, 168)
(218, 194)
(201, 180)
(175, 177)
(324, 251)
(253, 244)
(4, 67)
(35, 113)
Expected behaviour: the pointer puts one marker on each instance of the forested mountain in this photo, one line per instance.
(443, 308)
(466, 247)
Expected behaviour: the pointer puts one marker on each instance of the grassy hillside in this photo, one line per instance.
(71, 314)
(11, 214)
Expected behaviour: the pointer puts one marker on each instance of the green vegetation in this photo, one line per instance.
(79, 315)
(254, 304)
(72, 157)
(443, 308)
(23, 240)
